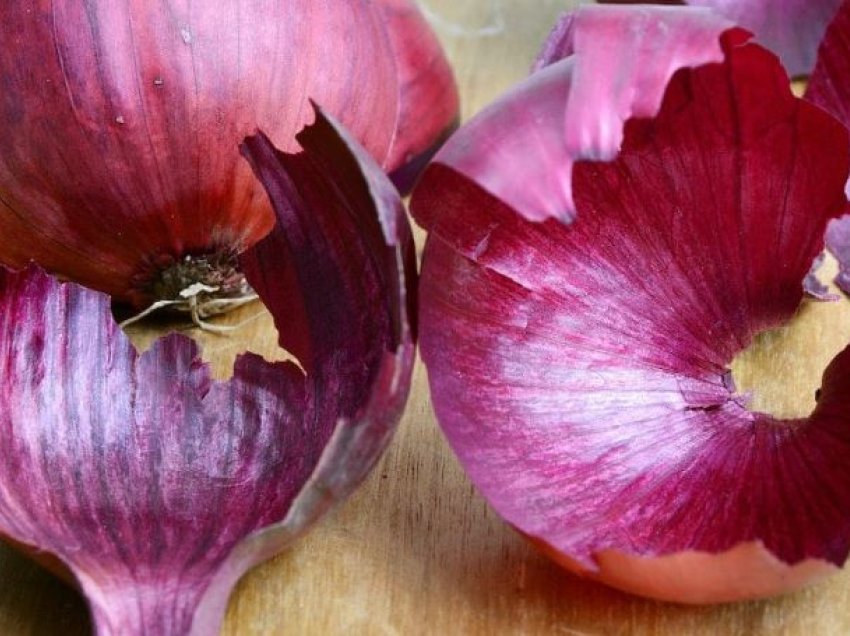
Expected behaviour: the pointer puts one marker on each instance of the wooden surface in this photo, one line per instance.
(416, 550)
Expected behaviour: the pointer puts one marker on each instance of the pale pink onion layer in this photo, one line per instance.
(542, 127)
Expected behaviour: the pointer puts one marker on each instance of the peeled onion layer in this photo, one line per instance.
(158, 487)
(537, 131)
(790, 28)
(838, 243)
(813, 285)
(119, 156)
(580, 372)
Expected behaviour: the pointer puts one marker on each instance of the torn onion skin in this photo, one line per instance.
(829, 88)
(429, 106)
(157, 487)
(838, 243)
(576, 110)
(746, 571)
(121, 122)
(580, 371)
(791, 28)
(813, 285)
(829, 85)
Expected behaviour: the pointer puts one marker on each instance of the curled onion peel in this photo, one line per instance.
(156, 487)
(812, 284)
(838, 242)
(791, 28)
(121, 121)
(511, 131)
(428, 107)
(580, 372)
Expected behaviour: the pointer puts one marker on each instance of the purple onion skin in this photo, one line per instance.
(580, 371)
(118, 155)
(813, 285)
(157, 487)
(829, 88)
(838, 243)
(558, 101)
(790, 28)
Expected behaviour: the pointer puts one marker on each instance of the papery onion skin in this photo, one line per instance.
(791, 28)
(582, 119)
(813, 285)
(744, 572)
(829, 85)
(829, 88)
(154, 485)
(838, 243)
(580, 371)
(428, 101)
(122, 121)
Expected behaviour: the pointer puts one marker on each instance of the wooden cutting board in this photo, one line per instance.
(416, 550)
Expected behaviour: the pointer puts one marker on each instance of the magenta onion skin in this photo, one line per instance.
(157, 487)
(790, 28)
(428, 101)
(588, 115)
(829, 85)
(119, 156)
(838, 243)
(580, 372)
(829, 88)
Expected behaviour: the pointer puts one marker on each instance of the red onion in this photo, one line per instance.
(121, 121)
(791, 28)
(157, 487)
(581, 371)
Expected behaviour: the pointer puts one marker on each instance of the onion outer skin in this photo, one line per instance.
(429, 104)
(838, 243)
(584, 108)
(120, 155)
(829, 88)
(541, 340)
(156, 487)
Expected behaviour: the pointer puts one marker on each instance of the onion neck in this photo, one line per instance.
(133, 608)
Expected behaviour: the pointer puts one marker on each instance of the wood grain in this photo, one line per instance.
(416, 550)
